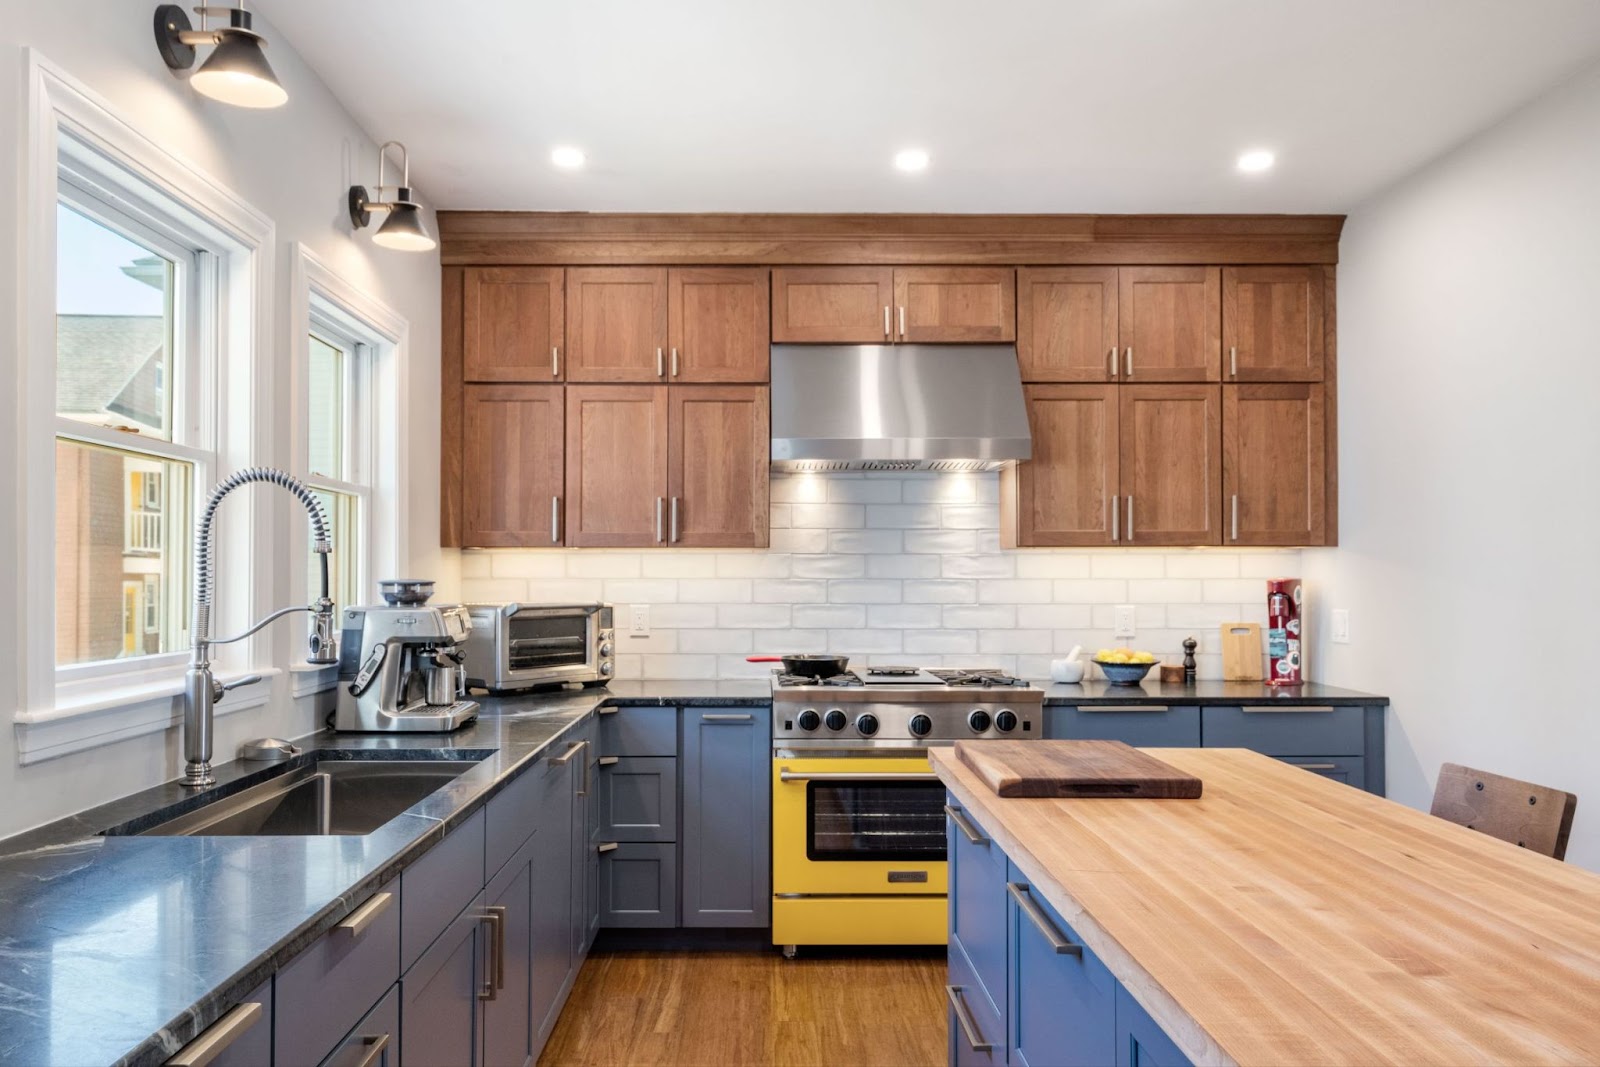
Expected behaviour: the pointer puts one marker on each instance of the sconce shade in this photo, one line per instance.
(237, 73)
(403, 230)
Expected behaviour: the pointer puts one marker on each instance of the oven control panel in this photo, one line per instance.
(842, 723)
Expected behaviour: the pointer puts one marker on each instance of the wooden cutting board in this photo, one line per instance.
(1241, 652)
(1073, 769)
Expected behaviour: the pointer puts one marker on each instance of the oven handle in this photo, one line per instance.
(786, 775)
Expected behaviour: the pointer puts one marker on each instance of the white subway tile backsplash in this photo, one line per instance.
(563, 590)
(1146, 617)
(995, 566)
(755, 616)
(782, 642)
(790, 591)
(1235, 590)
(755, 564)
(602, 563)
(715, 591)
(680, 616)
(1054, 616)
(641, 591)
(1280, 564)
(864, 541)
(864, 491)
(1202, 616)
(678, 666)
(903, 617)
(1164, 591)
(492, 590)
(1131, 564)
(939, 642)
(864, 591)
(860, 642)
(716, 641)
(830, 566)
(976, 517)
(477, 564)
(1013, 591)
(934, 489)
(986, 617)
(685, 563)
(799, 540)
(827, 516)
(831, 616)
(902, 566)
(1015, 642)
(903, 516)
(551, 564)
(1089, 591)
(943, 542)
(942, 591)
(1048, 563)
(1201, 563)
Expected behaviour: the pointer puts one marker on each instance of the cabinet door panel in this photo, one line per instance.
(438, 1016)
(1065, 494)
(507, 1020)
(719, 454)
(513, 465)
(955, 304)
(1346, 770)
(379, 1030)
(1272, 323)
(616, 324)
(832, 304)
(1140, 1041)
(1171, 464)
(1062, 1006)
(977, 875)
(717, 324)
(512, 323)
(1170, 318)
(616, 465)
(1158, 727)
(975, 1023)
(639, 885)
(1067, 324)
(639, 799)
(551, 929)
(727, 800)
(1274, 464)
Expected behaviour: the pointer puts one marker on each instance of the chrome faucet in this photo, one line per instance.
(201, 691)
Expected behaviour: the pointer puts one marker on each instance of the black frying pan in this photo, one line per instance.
(807, 666)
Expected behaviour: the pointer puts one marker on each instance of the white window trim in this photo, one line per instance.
(318, 293)
(57, 716)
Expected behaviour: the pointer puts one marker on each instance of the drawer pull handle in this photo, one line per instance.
(609, 846)
(355, 924)
(969, 1025)
(608, 761)
(1314, 766)
(1300, 709)
(1126, 707)
(216, 1038)
(786, 775)
(495, 964)
(965, 826)
(375, 1046)
(1030, 908)
(729, 717)
(573, 748)
(607, 711)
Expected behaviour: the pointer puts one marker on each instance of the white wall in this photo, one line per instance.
(890, 569)
(294, 164)
(1469, 452)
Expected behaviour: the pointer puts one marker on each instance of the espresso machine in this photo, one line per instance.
(400, 664)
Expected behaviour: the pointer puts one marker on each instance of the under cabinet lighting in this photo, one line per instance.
(236, 72)
(402, 228)
(1256, 160)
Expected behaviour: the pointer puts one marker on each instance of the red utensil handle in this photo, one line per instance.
(763, 659)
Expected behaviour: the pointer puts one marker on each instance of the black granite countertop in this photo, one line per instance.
(123, 948)
(1203, 693)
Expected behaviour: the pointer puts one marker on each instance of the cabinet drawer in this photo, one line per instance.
(638, 885)
(977, 899)
(639, 731)
(509, 818)
(439, 996)
(1146, 725)
(438, 886)
(1062, 1007)
(638, 798)
(324, 991)
(1140, 1042)
(977, 1027)
(244, 1034)
(1286, 731)
(375, 1041)
(1351, 770)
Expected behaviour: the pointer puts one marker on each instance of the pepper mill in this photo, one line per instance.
(1189, 645)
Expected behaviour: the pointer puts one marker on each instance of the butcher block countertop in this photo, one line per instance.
(1287, 919)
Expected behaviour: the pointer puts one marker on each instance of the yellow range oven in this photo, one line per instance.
(858, 828)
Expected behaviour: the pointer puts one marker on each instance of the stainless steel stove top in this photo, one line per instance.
(903, 708)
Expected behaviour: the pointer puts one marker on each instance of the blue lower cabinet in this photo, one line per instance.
(506, 1025)
(440, 993)
(375, 1042)
(1351, 770)
(976, 1023)
(1140, 725)
(638, 884)
(245, 1031)
(727, 820)
(977, 872)
(1140, 1042)
(1062, 998)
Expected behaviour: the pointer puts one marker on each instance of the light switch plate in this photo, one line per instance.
(1340, 628)
(1125, 618)
(640, 620)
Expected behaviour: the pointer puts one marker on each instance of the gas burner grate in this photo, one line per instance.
(893, 672)
(848, 678)
(976, 679)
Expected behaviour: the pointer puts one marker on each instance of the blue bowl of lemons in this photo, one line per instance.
(1124, 666)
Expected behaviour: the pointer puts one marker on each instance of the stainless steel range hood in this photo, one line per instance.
(897, 408)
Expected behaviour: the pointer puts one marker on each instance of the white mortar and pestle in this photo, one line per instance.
(1068, 671)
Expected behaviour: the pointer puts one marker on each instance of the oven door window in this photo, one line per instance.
(538, 642)
(875, 820)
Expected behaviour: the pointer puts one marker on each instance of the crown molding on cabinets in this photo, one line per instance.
(486, 238)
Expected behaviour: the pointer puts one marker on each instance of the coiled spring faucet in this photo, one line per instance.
(201, 691)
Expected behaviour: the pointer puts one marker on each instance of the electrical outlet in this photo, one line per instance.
(1340, 630)
(1124, 618)
(640, 622)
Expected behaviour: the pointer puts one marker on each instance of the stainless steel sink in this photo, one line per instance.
(338, 797)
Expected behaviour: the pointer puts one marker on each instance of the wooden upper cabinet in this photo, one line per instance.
(512, 439)
(1274, 464)
(511, 324)
(616, 465)
(1169, 321)
(717, 319)
(845, 305)
(1272, 326)
(616, 324)
(1171, 464)
(955, 304)
(718, 452)
(1066, 494)
(1067, 324)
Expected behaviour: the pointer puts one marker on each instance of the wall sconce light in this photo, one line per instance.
(236, 72)
(403, 229)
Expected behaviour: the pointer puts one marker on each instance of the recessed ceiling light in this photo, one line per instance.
(911, 159)
(567, 158)
(1256, 160)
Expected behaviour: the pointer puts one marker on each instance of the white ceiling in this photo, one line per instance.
(1024, 105)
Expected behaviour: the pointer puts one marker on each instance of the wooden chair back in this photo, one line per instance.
(1531, 816)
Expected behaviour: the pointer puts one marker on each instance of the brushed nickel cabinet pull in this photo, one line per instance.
(1296, 708)
(786, 775)
(1130, 518)
(1030, 907)
(607, 710)
(583, 787)
(555, 520)
(495, 918)
(1236, 516)
(902, 322)
(674, 362)
(555, 362)
(1114, 535)
(1128, 356)
(608, 761)
(375, 1047)
(216, 1038)
(609, 846)
(726, 717)
(969, 1026)
(660, 503)
(1113, 361)
(965, 826)
(1314, 766)
(674, 538)
(1233, 362)
(355, 924)
(566, 757)
(661, 365)
(886, 332)
(1125, 707)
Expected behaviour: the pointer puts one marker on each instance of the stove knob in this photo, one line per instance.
(835, 719)
(921, 725)
(867, 724)
(978, 720)
(1005, 720)
(809, 719)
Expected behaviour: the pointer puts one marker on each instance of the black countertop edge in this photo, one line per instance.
(1207, 693)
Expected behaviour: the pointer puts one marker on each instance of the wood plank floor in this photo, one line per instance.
(679, 1008)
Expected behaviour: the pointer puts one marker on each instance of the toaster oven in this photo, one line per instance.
(525, 646)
